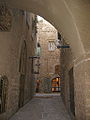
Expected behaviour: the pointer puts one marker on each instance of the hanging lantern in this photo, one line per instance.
(38, 49)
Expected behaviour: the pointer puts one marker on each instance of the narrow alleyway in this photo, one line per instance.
(43, 107)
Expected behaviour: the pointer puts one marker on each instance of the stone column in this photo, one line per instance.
(82, 87)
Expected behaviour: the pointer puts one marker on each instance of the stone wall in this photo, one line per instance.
(10, 52)
(82, 87)
(66, 65)
(80, 75)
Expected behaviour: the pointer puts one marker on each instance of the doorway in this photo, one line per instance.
(3, 93)
(22, 70)
(56, 85)
(71, 91)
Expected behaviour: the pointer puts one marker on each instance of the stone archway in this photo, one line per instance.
(72, 19)
(63, 16)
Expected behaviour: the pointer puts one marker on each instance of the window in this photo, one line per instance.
(51, 46)
(59, 36)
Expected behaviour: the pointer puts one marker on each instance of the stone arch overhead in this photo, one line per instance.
(70, 17)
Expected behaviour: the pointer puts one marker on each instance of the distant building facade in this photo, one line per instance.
(49, 60)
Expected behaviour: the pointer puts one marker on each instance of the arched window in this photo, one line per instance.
(3, 93)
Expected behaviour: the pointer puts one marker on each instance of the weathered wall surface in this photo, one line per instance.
(49, 58)
(82, 87)
(66, 64)
(81, 84)
(10, 51)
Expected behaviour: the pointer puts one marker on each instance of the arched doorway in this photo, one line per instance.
(56, 84)
(22, 70)
(3, 93)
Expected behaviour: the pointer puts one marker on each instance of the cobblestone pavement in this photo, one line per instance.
(43, 107)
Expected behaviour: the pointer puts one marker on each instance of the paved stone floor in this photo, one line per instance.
(43, 107)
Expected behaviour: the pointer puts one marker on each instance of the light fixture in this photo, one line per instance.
(59, 44)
